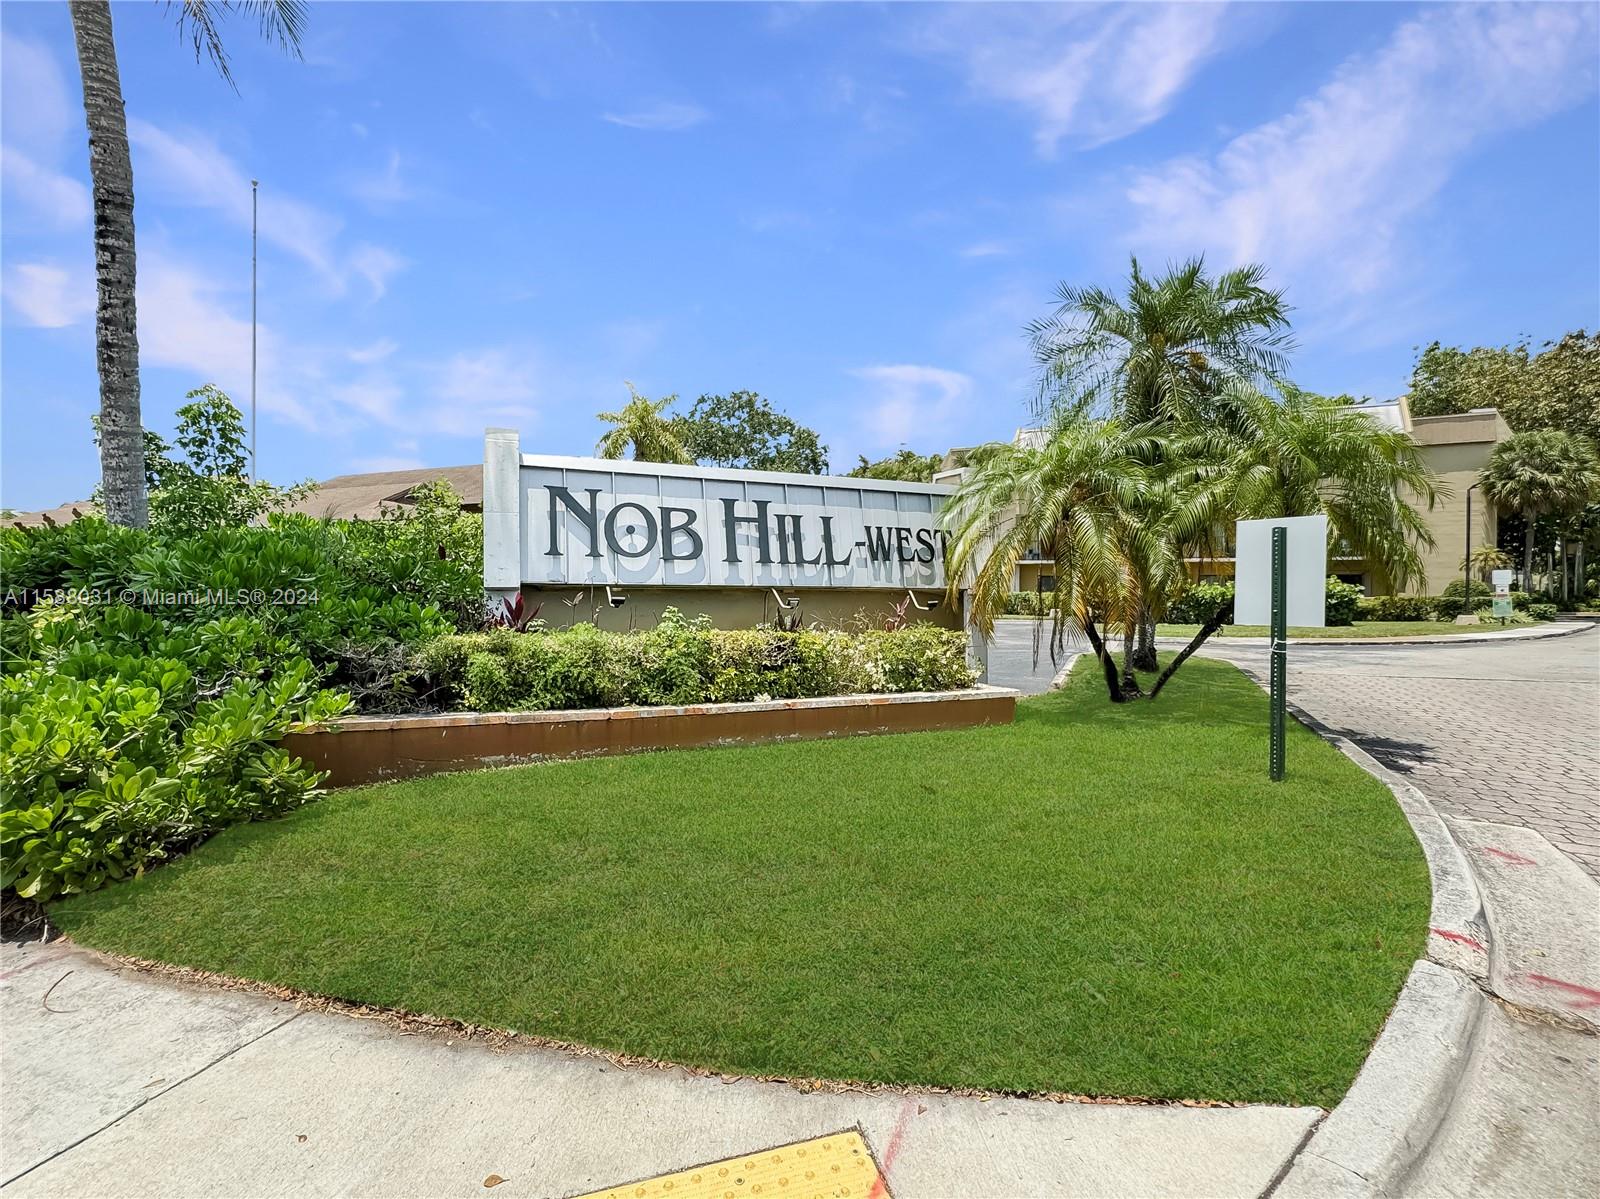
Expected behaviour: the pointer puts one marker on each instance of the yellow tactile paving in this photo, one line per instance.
(831, 1167)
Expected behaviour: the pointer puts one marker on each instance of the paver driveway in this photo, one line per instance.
(1502, 731)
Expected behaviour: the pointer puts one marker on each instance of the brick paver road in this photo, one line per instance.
(1508, 731)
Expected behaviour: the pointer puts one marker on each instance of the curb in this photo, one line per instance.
(1388, 1118)
(1369, 1142)
(1066, 669)
(1568, 628)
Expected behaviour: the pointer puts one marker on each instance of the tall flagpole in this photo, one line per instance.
(254, 184)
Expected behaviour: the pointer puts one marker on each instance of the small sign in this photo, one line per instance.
(1306, 573)
(1502, 607)
(1502, 579)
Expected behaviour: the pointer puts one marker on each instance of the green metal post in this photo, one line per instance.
(1280, 634)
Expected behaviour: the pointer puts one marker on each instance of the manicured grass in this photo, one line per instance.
(1097, 899)
(1361, 628)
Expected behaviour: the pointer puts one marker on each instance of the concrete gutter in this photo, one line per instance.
(1566, 629)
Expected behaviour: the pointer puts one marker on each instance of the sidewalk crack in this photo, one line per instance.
(148, 1099)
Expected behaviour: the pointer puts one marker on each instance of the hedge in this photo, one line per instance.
(683, 661)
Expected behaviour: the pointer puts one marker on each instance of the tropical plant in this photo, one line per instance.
(1109, 522)
(904, 466)
(683, 661)
(1539, 471)
(1159, 353)
(743, 429)
(209, 487)
(1304, 454)
(122, 476)
(641, 426)
(1485, 560)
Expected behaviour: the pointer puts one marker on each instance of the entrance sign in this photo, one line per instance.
(560, 521)
(1305, 571)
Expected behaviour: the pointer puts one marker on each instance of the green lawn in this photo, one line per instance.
(1361, 628)
(1098, 900)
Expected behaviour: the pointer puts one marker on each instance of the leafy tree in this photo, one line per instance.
(1559, 388)
(641, 425)
(209, 486)
(1540, 471)
(1302, 454)
(743, 429)
(111, 173)
(907, 466)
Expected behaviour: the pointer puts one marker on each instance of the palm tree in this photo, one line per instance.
(1485, 560)
(1305, 454)
(641, 425)
(1539, 471)
(111, 173)
(1161, 353)
(1086, 495)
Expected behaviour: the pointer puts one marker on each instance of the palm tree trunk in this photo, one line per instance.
(116, 331)
(1130, 680)
(1527, 552)
(1108, 662)
(1144, 657)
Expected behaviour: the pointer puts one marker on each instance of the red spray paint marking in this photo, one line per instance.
(1507, 856)
(1587, 996)
(1460, 938)
(892, 1150)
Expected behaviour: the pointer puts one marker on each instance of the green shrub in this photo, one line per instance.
(127, 738)
(1456, 588)
(1542, 611)
(1199, 603)
(1395, 607)
(1340, 604)
(1029, 603)
(685, 662)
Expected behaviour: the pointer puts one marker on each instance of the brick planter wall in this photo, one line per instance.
(371, 749)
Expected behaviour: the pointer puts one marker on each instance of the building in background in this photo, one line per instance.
(1455, 448)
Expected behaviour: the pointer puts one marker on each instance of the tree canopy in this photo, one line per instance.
(642, 426)
(1558, 388)
(742, 429)
(907, 466)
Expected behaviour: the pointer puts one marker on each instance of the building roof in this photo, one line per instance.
(369, 496)
(343, 497)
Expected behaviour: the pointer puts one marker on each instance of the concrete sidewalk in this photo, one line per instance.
(126, 1084)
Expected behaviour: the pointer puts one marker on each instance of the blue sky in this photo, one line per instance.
(494, 214)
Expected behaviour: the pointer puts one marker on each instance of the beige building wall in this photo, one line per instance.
(733, 607)
(1456, 448)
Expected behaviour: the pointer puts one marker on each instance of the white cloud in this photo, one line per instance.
(482, 388)
(49, 296)
(39, 110)
(665, 115)
(1326, 189)
(56, 199)
(911, 402)
(986, 249)
(376, 352)
(1089, 73)
(376, 265)
(385, 187)
(191, 169)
